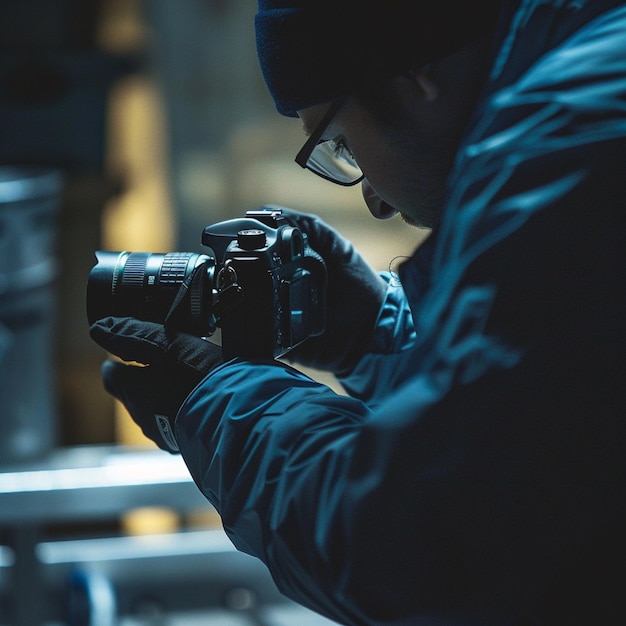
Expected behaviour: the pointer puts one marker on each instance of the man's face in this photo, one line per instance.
(406, 154)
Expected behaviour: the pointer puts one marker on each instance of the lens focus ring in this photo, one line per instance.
(134, 269)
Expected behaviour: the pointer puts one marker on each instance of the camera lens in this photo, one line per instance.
(138, 284)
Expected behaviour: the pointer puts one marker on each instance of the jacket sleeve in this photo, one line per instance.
(258, 437)
(387, 357)
(496, 461)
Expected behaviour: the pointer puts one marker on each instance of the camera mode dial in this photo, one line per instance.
(251, 239)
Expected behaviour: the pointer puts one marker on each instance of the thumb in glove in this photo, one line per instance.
(355, 294)
(175, 363)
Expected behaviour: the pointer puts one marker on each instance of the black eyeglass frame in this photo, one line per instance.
(302, 158)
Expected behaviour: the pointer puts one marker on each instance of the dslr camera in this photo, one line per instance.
(260, 284)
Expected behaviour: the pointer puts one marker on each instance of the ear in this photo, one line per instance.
(413, 92)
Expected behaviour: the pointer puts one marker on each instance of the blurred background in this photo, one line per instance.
(126, 125)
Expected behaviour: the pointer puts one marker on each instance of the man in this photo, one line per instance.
(475, 472)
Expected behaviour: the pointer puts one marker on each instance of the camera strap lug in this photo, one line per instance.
(228, 298)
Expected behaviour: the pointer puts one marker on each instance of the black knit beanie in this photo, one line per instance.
(313, 51)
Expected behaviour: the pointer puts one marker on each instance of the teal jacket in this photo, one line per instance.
(475, 471)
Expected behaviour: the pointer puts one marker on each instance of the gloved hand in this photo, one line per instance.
(355, 295)
(175, 363)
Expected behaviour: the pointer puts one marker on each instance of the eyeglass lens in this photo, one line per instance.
(333, 161)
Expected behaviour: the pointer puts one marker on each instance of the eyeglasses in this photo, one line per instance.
(329, 158)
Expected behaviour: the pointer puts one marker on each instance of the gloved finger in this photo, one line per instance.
(150, 397)
(338, 252)
(143, 342)
(153, 344)
(320, 234)
(120, 378)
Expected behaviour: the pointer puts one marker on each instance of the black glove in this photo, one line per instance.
(175, 363)
(355, 296)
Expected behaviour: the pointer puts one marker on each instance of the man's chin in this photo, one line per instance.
(421, 221)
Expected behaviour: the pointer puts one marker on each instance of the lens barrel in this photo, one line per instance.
(138, 284)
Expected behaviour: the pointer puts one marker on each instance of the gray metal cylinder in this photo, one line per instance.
(29, 207)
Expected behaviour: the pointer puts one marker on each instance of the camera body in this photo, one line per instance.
(260, 284)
